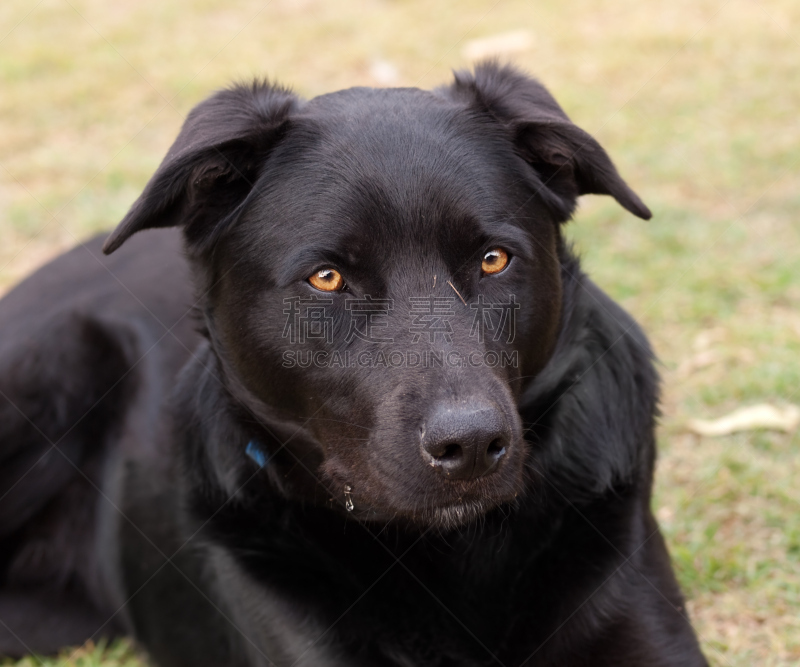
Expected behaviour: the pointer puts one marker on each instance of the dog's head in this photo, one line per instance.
(379, 272)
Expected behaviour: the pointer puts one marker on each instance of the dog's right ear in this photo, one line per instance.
(212, 166)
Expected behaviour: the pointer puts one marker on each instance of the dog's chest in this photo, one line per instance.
(393, 613)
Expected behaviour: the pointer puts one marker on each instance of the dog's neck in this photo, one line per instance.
(582, 396)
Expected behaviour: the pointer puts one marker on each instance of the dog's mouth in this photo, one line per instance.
(466, 506)
(442, 517)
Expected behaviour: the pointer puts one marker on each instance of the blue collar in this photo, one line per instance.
(257, 454)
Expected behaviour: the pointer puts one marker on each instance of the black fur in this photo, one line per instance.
(128, 399)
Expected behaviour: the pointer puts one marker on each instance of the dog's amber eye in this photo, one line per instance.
(327, 280)
(494, 261)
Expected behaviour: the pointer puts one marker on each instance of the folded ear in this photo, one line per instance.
(212, 166)
(568, 160)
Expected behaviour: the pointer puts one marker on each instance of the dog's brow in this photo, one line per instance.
(508, 234)
(305, 260)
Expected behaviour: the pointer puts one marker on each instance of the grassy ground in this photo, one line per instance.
(697, 101)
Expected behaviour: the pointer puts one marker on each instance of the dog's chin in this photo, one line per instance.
(449, 517)
(441, 518)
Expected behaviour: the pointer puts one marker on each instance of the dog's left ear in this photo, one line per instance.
(212, 166)
(568, 161)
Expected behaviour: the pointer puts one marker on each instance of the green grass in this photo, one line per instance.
(117, 654)
(696, 101)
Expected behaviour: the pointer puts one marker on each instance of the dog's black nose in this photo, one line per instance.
(465, 440)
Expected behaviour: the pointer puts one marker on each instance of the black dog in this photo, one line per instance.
(409, 431)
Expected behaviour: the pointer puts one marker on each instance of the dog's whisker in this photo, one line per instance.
(457, 292)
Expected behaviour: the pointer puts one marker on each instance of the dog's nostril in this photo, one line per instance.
(496, 449)
(452, 453)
